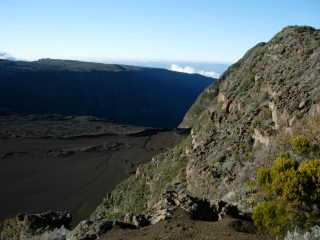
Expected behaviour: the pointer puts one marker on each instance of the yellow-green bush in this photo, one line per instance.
(264, 178)
(280, 179)
(309, 172)
(287, 187)
(300, 144)
(273, 216)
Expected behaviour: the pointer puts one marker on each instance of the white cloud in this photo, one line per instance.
(5, 56)
(191, 70)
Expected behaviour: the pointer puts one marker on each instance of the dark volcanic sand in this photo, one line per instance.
(69, 164)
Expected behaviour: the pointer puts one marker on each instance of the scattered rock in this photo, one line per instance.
(199, 209)
(302, 104)
(140, 220)
(90, 230)
(259, 138)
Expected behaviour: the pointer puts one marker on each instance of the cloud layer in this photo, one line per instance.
(191, 70)
(5, 56)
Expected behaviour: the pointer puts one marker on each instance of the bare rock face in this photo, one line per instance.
(259, 138)
(274, 85)
(44, 226)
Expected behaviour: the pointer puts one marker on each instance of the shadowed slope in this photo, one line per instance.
(124, 94)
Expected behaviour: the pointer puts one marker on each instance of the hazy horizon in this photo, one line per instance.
(208, 69)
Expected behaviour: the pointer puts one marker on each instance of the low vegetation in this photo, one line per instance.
(289, 189)
(145, 188)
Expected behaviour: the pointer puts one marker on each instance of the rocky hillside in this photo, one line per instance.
(123, 94)
(234, 124)
(273, 86)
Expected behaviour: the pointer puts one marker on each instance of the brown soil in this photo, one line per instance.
(181, 227)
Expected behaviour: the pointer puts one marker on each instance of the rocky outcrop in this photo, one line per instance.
(199, 209)
(89, 230)
(174, 198)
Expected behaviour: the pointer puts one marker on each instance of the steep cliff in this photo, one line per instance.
(234, 122)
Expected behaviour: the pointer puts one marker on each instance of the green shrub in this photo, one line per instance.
(288, 188)
(273, 216)
(310, 181)
(264, 178)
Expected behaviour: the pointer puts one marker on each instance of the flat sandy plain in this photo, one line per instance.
(69, 163)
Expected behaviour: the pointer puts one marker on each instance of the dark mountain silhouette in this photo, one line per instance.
(124, 94)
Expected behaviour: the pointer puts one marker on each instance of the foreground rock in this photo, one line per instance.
(174, 199)
(182, 227)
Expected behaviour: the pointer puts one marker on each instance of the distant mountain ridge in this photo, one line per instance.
(124, 94)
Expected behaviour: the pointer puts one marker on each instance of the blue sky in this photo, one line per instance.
(189, 30)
